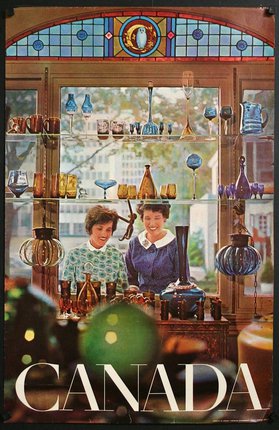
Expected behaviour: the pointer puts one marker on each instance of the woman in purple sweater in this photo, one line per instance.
(152, 257)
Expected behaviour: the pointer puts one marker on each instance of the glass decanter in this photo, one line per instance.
(87, 298)
(242, 186)
(147, 189)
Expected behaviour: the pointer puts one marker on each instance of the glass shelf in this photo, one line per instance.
(88, 200)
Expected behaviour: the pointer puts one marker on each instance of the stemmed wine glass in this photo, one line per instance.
(71, 108)
(188, 87)
(210, 112)
(150, 127)
(226, 113)
(65, 304)
(87, 109)
(194, 161)
(17, 182)
(105, 184)
(254, 189)
(261, 190)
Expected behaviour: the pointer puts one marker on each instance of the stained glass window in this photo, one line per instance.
(140, 36)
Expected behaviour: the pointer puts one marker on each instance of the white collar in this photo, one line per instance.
(159, 243)
(92, 248)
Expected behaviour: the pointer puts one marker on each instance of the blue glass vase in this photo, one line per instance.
(71, 108)
(238, 258)
(87, 109)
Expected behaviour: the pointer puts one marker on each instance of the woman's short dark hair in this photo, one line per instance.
(163, 208)
(100, 215)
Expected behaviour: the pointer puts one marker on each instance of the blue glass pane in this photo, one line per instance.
(225, 30)
(88, 22)
(235, 39)
(38, 45)
(23, 41)
(54, 51)
(191, 28)
(224, 51)
(257, 41)
(193, 21)
(214, 29)
(66, 40)
(181, 29)
(192, 52)
(98, 52)
(99, 21)
(55, 29)
(44, 52)
(197, 34)
(181, 40)
(180, 51)
(44, 38)
(75, 28)
(88, 28)
(224, 40)
(180, 21)
(258, 51)
(82, 35)
(191, 41)
(11, 51)
(76, 51)
(204, 28)
(268, 51)
(75, 41)
(204, 40)
(65, 29)
(235, 52)
(234, 31)
(247, 38)
(247, 52)
(32, 52)
(54, 40)
(98, 40)
(213, 51)
(98, 29)
(65, 51)
(214, 40)
(87, 51)
(202, 51)
(88, 41)
(22, 51)
(44, 31)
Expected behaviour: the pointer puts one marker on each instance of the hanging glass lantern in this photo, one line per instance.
(43, 249)
(239, 258)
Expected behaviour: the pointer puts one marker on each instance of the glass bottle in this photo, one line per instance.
(87, 297)
(147, 189)
(242, 186)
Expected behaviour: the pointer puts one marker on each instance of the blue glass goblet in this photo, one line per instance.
(221, 190)
(228, 191)
(210, 112)
(105, 184)
(232, 189)
(194, 161)
(254, 189)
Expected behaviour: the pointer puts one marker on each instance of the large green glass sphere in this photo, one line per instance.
(120, 335)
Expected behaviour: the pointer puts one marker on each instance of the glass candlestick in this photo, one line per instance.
(194, 161)
(188, 87)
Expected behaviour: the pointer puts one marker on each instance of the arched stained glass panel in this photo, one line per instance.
(140, 36)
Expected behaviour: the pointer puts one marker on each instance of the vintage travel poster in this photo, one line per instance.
(139, 215)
